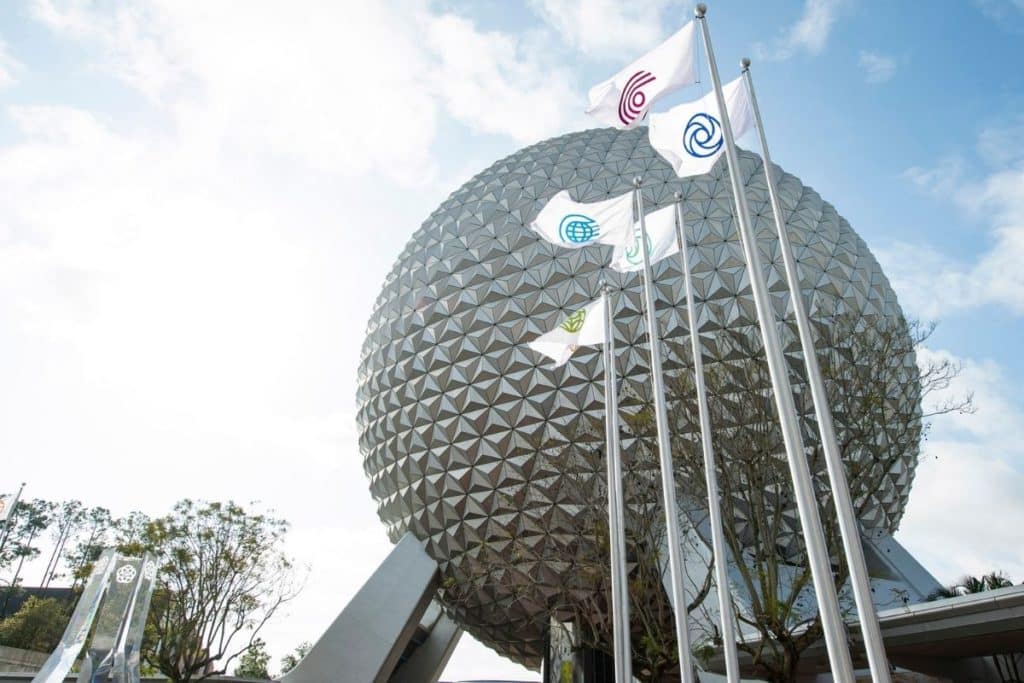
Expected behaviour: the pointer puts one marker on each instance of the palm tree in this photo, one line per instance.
(996, 580)
(971, 584)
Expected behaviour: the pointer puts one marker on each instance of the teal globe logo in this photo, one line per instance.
(577, 229)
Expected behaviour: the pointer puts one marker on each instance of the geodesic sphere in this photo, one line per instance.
(452, 403)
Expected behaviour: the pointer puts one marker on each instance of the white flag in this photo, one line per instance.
(624, 99)
(582, 328)
(573, 224)
(661, 242)
(690, 136)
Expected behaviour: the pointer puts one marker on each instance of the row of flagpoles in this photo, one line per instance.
(692, 137)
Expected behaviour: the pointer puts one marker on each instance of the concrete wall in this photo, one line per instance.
(15, 659)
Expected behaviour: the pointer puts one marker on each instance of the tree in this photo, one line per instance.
(583, 600)
(869, 372)
(30, 521)
(292, 659)
(92, 535)
(253, 664)
(972, 584)
(131, 533)
(222, 577)
(866, 364)
(37, 626)
(67, 518)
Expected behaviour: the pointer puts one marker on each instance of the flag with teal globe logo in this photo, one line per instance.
(579, 225)
(576, 228)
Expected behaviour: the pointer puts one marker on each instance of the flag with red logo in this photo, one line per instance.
(624, 99)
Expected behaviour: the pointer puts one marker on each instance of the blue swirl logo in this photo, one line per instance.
(702, 136)
(578, 229)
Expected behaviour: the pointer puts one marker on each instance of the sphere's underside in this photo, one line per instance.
(451, 398)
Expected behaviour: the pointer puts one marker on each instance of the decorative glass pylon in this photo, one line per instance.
(116, 598)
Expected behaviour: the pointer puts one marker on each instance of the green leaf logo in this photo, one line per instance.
(574, 323)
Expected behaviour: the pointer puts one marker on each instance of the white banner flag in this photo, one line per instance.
(690, 136)
(582, 328)
(661, 242)
(624, 99)
(572, 224)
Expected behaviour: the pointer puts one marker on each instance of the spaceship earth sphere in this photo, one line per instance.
(452, 402)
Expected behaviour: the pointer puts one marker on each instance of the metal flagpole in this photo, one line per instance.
(807, 505)
(10, 514)
(616, 506)
(849, 529)
(668, 482)
(732, 664)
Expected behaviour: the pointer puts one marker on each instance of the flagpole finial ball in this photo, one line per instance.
(745, 63)
(700, 10)
(637, 180)
(678, 196)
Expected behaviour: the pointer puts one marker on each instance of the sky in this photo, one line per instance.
(200, 202)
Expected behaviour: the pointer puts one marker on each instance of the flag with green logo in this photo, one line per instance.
(581, 328)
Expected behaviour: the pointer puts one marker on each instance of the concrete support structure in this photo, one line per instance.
(371, 638)
(428, 658)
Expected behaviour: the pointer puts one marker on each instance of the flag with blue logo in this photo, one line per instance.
(624, 99)
(661, 242)
(690, 136)
(573, 224)
(584, 327)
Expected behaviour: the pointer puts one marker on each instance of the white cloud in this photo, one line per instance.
(878, 68)
(809, 34)
(997, 200)
(483, 79)
(182, 289)
(9, 66)
(916, 272)
(609, 29)
(943, 179)
(965, 511)
(1000, 10)
(353, 89)
(1002, 145)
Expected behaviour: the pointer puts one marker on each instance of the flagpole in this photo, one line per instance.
(807, 505)
(616, 506)
(732, 664)
(849, 529)
(10, 515)
(668, 483)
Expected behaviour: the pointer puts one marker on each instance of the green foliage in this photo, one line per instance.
(253, 664)
(28, 523)
(37, 626)
(92, 537)
(222, 577)
(972, 584)
(291, 660)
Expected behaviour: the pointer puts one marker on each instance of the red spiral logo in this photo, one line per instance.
(633, 100)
